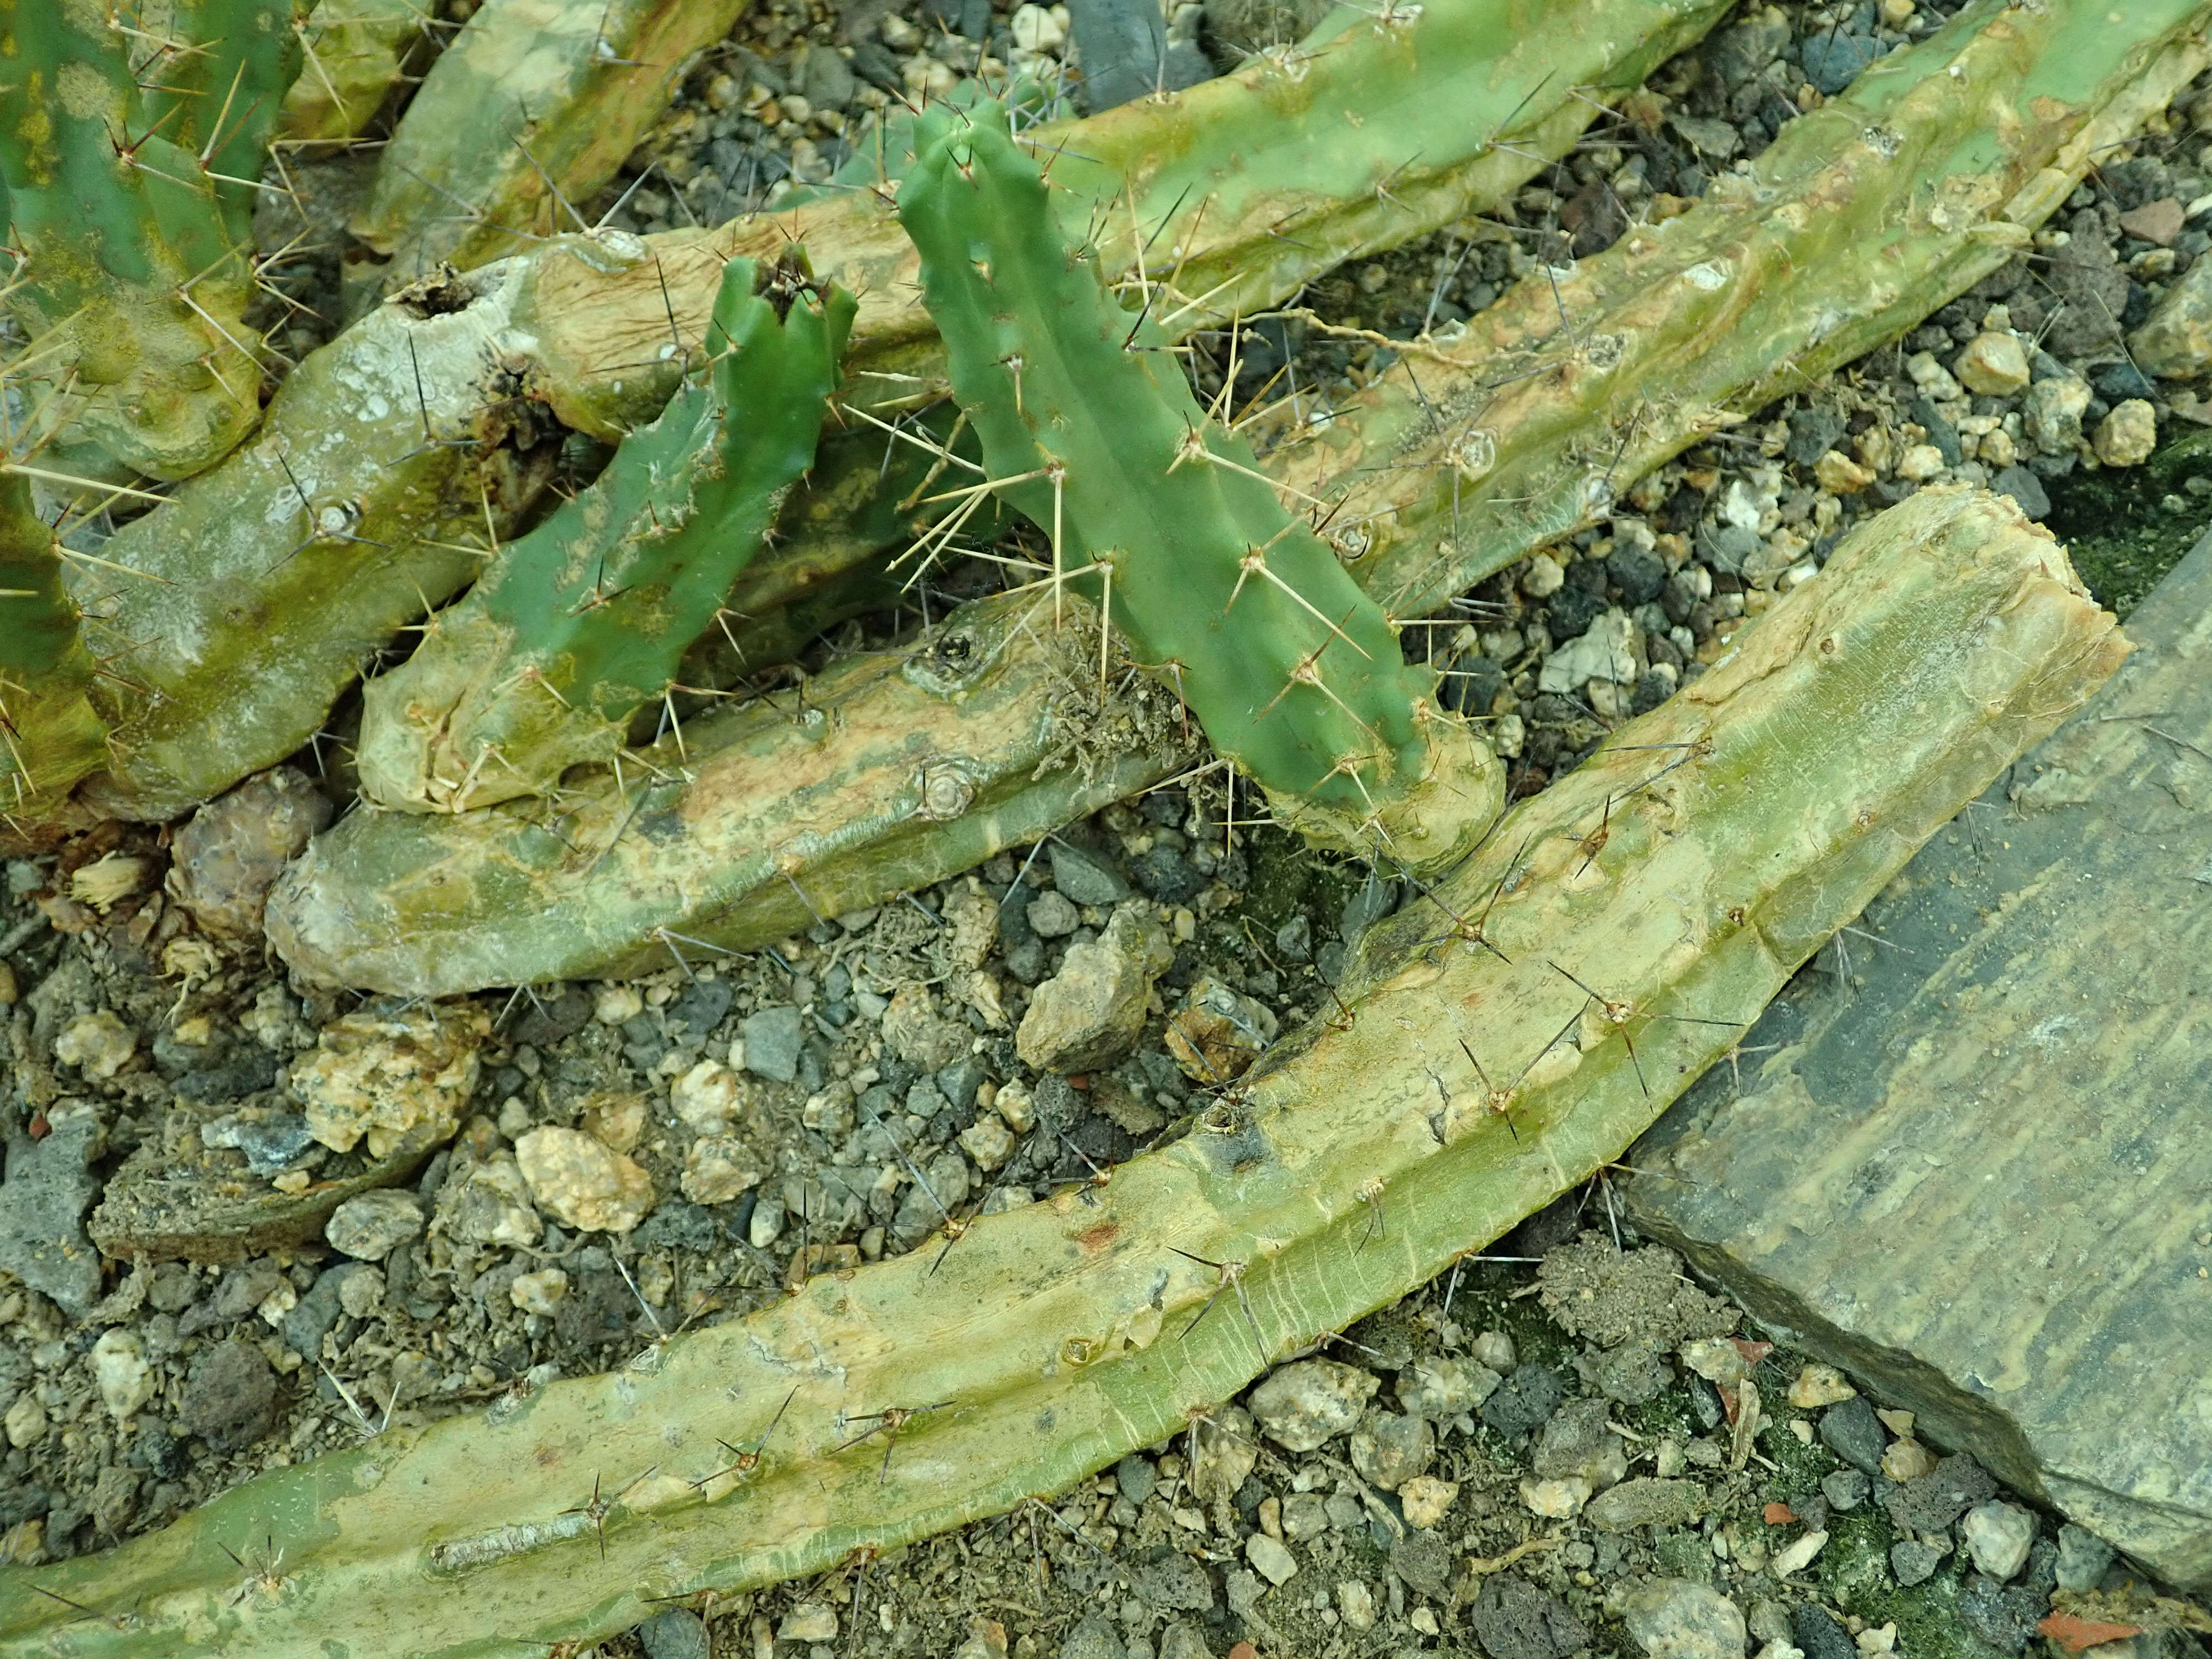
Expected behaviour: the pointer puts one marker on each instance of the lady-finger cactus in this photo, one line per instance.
(49, 736)
(131, 157)
(584, 619)
(1092, 432)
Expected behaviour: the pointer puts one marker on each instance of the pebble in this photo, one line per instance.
(1390, 1449)
(1084, 878)
(361, 1294)
(224, 860)
(1997, 1535)
(1440, 1389)
(706, 1097)
(1719, 1359)
(1920, 463)
(580, 1183)
(1849, 1431)
(385, 1078)
(1819, 1385)
(1675, 1619)
(1557, 1499)
(679, 1633)
(1304, 1405)
(370, 1226)
(2175, 341)
(2025, 488)
(1219, 1032)
(1645, 1501)
(1844, 1489)
(1913, 1562)
(1907, 1459)
(718, 1168)
(1051, 915)
(1605, 651)
(1225, 1453)
(1270, 1559)
(1817, 1634)
(120, 1372)
(1542, 575)
(1495, 1350)
(25, 1421)
(1426, 1499)
(98, 1044)
(2127, 436)
(1137, 1477)
(810, 1621)
(1993, 365)
(988, 1141)
(615, 1002)
(2083, 1558)
(1514, 1619)
(488, 1202)
(49, 1186)
(1355, 1604)
(1832, 61)
(772, 1039)
(2051, 411)
(230, 1396)
(920, 1033)
(1091, 1013)
(1798, 1554)
(1524, 1403)
(1839, 474)
(2157, 223)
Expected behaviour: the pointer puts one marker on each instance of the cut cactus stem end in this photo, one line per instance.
(1843, 729)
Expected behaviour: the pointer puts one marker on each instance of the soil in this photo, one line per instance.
(861, 1065)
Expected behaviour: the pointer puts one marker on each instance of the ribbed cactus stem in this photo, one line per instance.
(585, 619)
(130, 210)
(49, 736)
(1162, 516)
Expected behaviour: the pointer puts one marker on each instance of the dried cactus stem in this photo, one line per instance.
(573, 627)
(1163, 518)
(1941, 640)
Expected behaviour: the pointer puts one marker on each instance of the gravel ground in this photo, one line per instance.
(1565, 1447)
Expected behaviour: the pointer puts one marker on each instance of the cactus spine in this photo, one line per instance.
(49, 736)
(1850, 723)
(130, 211)
(575, 626)
(1294, 673)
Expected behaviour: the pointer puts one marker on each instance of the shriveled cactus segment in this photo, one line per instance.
(49, 736)
(1849, 724)
(1092, 432)
(581, 621)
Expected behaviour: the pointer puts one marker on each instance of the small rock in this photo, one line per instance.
(1832, 61)
(1218, 1033)
(1913, 1562)
(390, 1079)
(2026, 488)
(1605, 651)
(1178, 1640)
(369, 1226)
(1559, 1499)
(1270, 1559)
(25, 1421)
(223, 861)
(986, 1639)
(1524, 1403)
(1089, 1014)
(1845, 1489)
(1302, 1406)
(1674, 1619)
(2127, 436)
(1719, 1359)
(2157, 223)
(1294, 939)
(1997, 1535)
(2175, 342)
(1817, 1634)
(1907, 1459)
(1225, 1454)
(582, 1183)
(2003, 1615)
(1426, 1499)
(1839, 474)
(488, 1202)
(1819, 1385)
(1644, 1502)
(616, 1002)
(810, 1621)
(922, 1034)
(772, 1037)
(361, 1294)
(98, 1044)
(2083, 1558)
(1390, 1449)
(988, 1141)
(538, 1292)
(718, 1168)
(1514, 1619)
(1920, 463)
(230, 1396)
(707, 1098)
(1495, 1350)
(679, 1633)
(1085, 877)
(1093, 1637)
(1797, 1555)
(1994, 365)
(2051, 411)
(1137, 1477)
(1850, 1431)
(1052, 916)
(1355, 1604)
(120, 1372)
(613, 1117)
(1541, 576)
(1126, 53)
(1441, 1389)
(49, 1186)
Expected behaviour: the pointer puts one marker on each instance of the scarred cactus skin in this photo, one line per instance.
(581, 620)
(49, 736)
(131, 208)
(1092, 432)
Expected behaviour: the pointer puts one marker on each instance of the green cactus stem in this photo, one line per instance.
(129, 210)
(573, 627)
(1851, 722)
(49, 736)
(372, 877)
(525, 114)
(570, 319)
(1093, 432)
(353, 53)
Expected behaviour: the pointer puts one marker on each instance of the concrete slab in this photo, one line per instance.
(1975, 1169)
